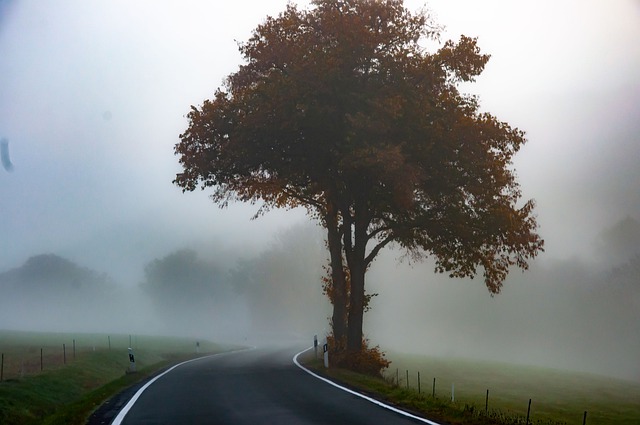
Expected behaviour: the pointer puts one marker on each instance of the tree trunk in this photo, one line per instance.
(357, 268)
(339, 317)
(356, 306)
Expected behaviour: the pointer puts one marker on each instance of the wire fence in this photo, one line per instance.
(438, 389)
(19, 359)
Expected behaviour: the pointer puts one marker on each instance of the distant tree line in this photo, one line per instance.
(277, 290)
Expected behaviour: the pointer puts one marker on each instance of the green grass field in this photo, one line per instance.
(67, 393)
(556, 395)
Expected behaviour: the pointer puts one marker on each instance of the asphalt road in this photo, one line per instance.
(260, 386)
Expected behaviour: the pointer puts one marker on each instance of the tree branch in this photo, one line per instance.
(376, 249)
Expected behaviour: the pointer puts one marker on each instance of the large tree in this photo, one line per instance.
(341, 109)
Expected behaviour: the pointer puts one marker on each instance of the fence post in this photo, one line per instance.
(433, 394)
(64, 354)
(2, 368)
(74, 349)
(453, 390)
(109, 339)
(528, 412)
(397, 378)
(407, 378)
(584, 419)
(418, 382)
(41, 362)
(486, 403)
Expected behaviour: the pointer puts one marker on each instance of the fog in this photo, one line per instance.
(564, 314)
(93, 97)
(567, 314)
(213, 293)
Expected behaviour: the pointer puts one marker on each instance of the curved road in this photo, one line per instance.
(261, 386)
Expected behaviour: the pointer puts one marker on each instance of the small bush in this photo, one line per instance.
(369, 361)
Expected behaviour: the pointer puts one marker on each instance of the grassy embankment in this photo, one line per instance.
(558, 397)
(68, 393)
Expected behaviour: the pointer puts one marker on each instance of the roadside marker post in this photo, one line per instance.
(132, 361)
(315, 345)
(325, 349)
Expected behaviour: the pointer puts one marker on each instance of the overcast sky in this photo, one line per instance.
(93, 96)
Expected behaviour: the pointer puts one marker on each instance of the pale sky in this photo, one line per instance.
(93, 96)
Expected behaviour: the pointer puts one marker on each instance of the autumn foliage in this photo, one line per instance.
(370, 360)
(341, 109)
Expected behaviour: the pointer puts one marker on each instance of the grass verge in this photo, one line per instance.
(558, 397)
(69, 393)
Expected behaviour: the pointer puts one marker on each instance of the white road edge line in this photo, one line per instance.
(369, 399)
(120, 417)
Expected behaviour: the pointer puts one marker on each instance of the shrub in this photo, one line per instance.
(370, 361)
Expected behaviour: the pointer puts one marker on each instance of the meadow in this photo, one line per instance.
(51, 378)
(556, 395)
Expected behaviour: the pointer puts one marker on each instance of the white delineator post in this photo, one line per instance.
(132, 361)
(325, 349)
(315, 345)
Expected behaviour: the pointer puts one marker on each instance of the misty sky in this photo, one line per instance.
(93, 96)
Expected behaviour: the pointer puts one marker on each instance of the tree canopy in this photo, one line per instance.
(341, 109)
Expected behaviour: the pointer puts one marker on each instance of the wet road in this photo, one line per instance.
(260, 386)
